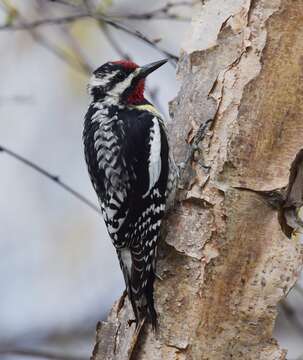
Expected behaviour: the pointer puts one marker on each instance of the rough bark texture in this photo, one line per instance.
(225, 262)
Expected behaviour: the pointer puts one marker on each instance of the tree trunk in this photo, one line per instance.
(225, 262)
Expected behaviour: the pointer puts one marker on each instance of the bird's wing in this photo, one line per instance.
(125, 159)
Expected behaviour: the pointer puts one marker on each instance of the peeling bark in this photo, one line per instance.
(225, 262)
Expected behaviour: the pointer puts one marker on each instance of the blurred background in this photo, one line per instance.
(58, 271)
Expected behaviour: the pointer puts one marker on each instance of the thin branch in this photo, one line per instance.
(50, 176)
(160, 13)
(38, 354)
(42, 22)
(97, 17)
(135, 33)
(64, 2)
(79, 65)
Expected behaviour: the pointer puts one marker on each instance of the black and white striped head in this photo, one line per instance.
(121, 81)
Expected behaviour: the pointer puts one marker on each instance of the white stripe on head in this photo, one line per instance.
(121, 86)
(102, 81)
(96, 81)
(112, 95)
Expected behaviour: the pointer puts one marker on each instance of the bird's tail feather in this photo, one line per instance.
(142, 281)
(149, 295)
(139, 279)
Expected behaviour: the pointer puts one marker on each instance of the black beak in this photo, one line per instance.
(149, 68)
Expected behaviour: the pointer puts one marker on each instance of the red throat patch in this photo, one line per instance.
(137, 95)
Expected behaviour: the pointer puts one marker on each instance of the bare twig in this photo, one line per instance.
(135, 33)
(50, 176)
(98, 17)
(160, 13)
(42, 22)
(38, 354)
(80, 65)
(64, 2)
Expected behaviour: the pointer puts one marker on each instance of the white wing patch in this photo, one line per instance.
(121, 86)
(154, 161)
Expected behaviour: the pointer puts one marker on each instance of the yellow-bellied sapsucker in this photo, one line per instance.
(127, 155)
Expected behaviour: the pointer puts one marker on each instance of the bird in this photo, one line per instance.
(132, 171)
